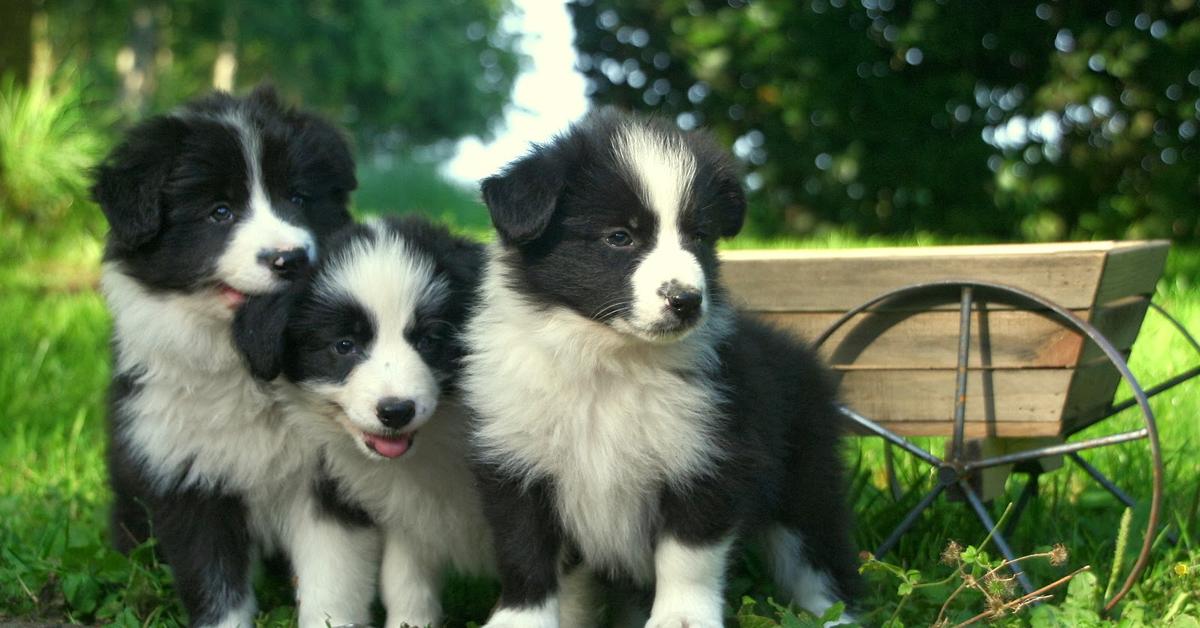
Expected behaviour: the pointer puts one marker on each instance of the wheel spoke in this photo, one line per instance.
(909, 520)
(1001, 544)
(960, 377)
(890, 436)
(1054, 450)
(1027, 493)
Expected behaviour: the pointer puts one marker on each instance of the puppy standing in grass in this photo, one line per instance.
(221, 199)
(368, 345)
(632, 427)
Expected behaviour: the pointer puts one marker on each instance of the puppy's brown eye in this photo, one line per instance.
(299, 200)
(345, 346)
(619, 239)
(221, 213)
(426, 343)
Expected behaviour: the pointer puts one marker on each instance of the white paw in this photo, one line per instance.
(684, 621)
(412, 621)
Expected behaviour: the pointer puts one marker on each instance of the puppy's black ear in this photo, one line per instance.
(465, 263)
(259, 331)
(128, 184)
(522, 197)
(265, 94)
(732, 204)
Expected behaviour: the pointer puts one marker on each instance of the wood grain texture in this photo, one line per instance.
(1029, 375)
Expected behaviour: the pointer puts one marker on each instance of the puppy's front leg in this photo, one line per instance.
(527, 540)
(335, 563)
(689, 584)
(410, 583)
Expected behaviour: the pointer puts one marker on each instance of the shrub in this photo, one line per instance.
(47, 144)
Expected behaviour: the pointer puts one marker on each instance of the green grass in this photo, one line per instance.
(55, 564)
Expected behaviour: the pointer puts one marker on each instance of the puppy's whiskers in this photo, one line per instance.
(612, 309)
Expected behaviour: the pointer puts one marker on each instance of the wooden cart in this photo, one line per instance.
(1007, 351)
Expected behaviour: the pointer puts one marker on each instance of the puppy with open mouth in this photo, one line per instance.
(369, 353)
(219, 200)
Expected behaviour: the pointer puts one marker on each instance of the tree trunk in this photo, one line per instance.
(135, 61)
(16, 42)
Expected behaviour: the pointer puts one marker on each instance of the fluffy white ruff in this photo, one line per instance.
(608, 417)
(197, 408)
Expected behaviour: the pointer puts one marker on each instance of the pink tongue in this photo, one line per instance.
(231, 297)
(389, 447)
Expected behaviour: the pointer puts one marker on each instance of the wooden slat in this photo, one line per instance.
(1132, 270)
(1119, 321)
(929, 340)
(1007, 429)
(1020, 395)
(777, 281)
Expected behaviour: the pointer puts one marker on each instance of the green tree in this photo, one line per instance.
(1015, 119)
(16, 45)
(398, 73)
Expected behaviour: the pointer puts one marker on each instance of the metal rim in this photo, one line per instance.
(954, 472)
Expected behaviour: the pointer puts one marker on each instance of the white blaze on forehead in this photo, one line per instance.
(386, 277)
(260, 229)
(663, 170)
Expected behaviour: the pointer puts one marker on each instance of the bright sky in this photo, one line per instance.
(547, 96)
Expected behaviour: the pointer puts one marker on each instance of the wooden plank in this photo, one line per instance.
(778, 281)
(1132, 270)
(993, 397)
(929, 340)
(1090, 393)
(1119, 321)
(1007, 429)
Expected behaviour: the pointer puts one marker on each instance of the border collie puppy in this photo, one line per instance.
(222, 198)
(368, 346)
(632, 426)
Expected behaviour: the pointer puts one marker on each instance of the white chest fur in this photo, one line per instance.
(196, 410)
(427, 496)
(607, 421)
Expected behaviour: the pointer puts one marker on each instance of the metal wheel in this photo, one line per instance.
(957, 469)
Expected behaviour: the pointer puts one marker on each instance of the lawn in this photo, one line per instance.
(55, 564)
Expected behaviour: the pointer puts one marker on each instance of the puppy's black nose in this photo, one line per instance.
(685, 303)
(285, 263)
(395, 413)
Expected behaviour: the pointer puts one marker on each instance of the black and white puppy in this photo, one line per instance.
(222, 198)
(631, 425)
(368, 346)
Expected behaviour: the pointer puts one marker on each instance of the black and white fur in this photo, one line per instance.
(632, 426)
(222, 198)
(368, 346)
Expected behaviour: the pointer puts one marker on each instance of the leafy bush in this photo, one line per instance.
(47, 144)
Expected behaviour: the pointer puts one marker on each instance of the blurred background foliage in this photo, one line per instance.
(1010, 120)
(406, 79)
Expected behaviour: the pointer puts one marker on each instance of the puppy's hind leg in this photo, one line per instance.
(804, 584)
